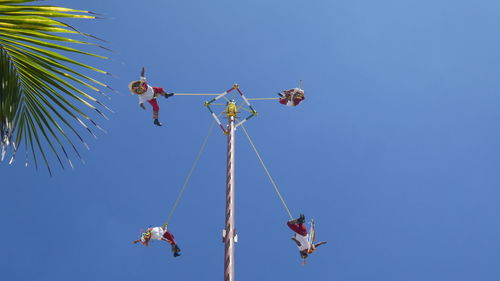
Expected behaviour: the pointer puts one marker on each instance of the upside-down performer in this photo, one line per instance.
(149, 94)
(159, 233)
(302, 239)
(291, 97)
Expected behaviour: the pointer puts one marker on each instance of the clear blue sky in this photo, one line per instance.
(395, 152)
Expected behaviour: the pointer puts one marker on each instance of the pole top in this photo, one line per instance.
(236, 86)
(231, 109)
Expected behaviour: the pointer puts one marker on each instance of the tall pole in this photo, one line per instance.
(229, 232)
(229, 235)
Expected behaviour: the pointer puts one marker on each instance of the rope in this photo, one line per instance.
(242, 107)
(267, 172)
(264, 99)
(186, 181)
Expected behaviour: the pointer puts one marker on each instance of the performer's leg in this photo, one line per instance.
(169, 237)
(298, 228)
(156, 107)
(175, 248)
(156, 110)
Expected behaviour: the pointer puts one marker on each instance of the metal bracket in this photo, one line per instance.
(237, 88)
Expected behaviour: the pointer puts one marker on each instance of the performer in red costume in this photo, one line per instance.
(291, 97)
(149, 94)
(301, 237)
(159, 233)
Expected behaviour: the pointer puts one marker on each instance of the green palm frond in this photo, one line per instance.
(44, 96)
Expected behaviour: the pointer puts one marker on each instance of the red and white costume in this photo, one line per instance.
(301, 235)
(292, 97)
(158, 233)
(150, 96)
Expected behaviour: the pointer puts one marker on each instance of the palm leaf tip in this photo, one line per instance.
(44, 96)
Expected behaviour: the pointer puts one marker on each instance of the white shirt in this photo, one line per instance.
(148, 95)
(157, 233)
(303, 240)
